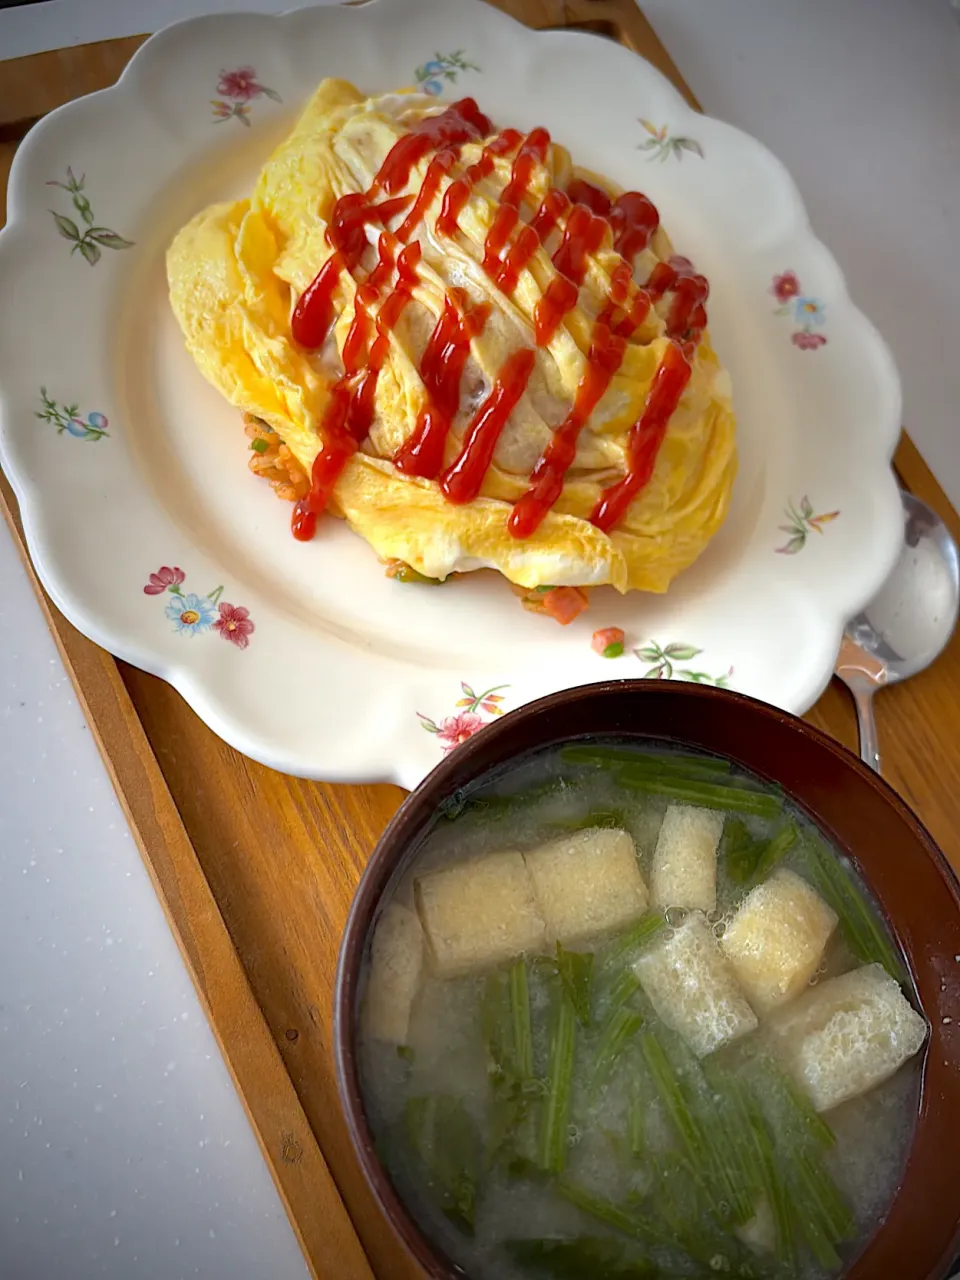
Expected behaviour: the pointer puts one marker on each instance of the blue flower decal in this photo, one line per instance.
(67, 417)
(190, 613)
(442, 67)
(809, 312)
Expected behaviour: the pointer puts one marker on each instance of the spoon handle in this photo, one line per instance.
(869, 747)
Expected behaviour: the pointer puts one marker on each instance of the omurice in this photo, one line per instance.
(477, 353)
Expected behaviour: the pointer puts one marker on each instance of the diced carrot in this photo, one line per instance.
(565, 603)
(608, 642)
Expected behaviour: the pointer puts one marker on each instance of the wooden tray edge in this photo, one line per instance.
(253, 1059)
(302, 1177)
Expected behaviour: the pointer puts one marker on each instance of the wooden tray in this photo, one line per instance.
(256, 870)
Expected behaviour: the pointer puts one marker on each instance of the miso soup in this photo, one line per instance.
(627, 1013)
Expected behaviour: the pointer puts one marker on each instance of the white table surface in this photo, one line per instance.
(124, 1151)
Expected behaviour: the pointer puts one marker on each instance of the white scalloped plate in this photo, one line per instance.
(139, 465)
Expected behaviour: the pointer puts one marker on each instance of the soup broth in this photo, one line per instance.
(627, 1013)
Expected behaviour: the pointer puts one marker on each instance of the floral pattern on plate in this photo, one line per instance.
(67, 418)
(192, 614)
(442, 66)
(463, 724)
(662, 664)
(807, 312)
(661, 144)
(237, 90)
(802, 522)
(91, 240)
(733, 615)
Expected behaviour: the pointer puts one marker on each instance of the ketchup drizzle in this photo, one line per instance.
(504, 221)
(646, 436)
(441, 369)
(555, 205)
(347, 233)
(560, 297)
(313, 314)
(461, 122)
(438, 168)
(533, 151)
(634, 220)
(546, 482)
(509, 246)
(462, 479)
(349, 411)
(458, 193)
(582, 235)
(595, 199)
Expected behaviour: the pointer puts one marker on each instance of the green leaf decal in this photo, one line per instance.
(682, 652)
(109, 239)
(90, 251)
(66, 226)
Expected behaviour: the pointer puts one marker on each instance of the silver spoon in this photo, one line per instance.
(908, 623)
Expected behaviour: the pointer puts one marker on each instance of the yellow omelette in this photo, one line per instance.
(237, 271)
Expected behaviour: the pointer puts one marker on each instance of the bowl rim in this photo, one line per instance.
(940, 1081)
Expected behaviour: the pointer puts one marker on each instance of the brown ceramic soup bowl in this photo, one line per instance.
(896, 857)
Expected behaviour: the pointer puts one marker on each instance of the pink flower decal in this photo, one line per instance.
(192, 614)
(234, 624)
(242, 84)
(807, 341)
(785, 287)
(163, 580)
(808, 313)
(453, 730)
(456, 729)
(239, 88)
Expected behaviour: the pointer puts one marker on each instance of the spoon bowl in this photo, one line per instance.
(908, 623)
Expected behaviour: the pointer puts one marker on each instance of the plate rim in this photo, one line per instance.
(181, 674)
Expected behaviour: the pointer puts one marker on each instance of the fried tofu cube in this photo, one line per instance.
(396, 964)
(847, 1035)
(587, 884)
(776, 940)
(478, 914)
(693, 989)
(684, 872)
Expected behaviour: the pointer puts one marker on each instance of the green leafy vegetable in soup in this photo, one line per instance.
(630, 1016)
